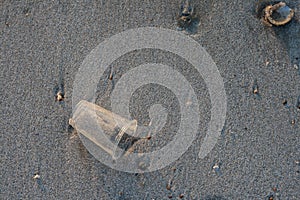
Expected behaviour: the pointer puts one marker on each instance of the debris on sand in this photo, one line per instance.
(217, 169)
(187, 19)
(278, 14)
(255, 87)
(59, 96)
(186, 13)
(36, 176)
(298, 103)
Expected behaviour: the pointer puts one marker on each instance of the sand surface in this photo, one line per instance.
(43, 45)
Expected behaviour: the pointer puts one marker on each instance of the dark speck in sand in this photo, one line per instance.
(187, 19)
(298, 103)
(284, 102)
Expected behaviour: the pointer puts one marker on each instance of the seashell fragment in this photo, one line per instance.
(278, 14)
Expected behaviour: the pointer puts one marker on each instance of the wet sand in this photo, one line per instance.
(43, 46)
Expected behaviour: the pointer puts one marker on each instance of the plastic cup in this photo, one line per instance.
(102, 127)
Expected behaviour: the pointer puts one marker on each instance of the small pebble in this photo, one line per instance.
(284, 102)
(59, 96)
(168, 187)
(255, 87)
(26, 12)
(255, 90)
(174, 169)
(217, 169)
(271, 197)
(36, 176)
(293, 122)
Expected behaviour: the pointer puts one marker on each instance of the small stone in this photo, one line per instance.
(173, 169)
(284, 102)
(255, 87)
(216, 167)
(36, 176)
(26, 11)
(59, 96)
(168, 187)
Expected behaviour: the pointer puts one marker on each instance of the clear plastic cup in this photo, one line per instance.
(102, 127)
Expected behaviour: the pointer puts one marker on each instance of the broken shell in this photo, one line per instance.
(278, 14)
(186, 14)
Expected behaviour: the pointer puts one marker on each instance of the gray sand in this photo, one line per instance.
(44, 44)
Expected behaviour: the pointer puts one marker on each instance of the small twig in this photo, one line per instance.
(111, 73)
